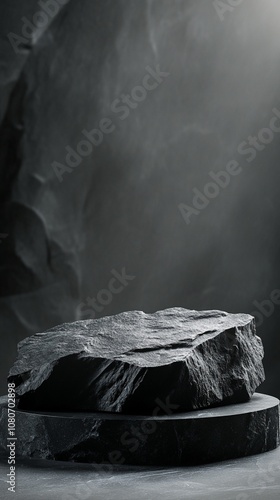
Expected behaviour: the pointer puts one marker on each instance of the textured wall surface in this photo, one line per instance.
(172, 89)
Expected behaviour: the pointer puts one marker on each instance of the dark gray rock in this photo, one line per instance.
(126, 363)
(187, 438)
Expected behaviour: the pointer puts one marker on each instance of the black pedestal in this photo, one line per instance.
(180, 439)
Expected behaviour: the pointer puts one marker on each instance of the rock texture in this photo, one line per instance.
(128, 363)
(119, 207)
(188, 438)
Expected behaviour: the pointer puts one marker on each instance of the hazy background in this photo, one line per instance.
(119, 207)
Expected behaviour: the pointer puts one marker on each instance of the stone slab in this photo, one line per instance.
(126, 362)
(173, 439)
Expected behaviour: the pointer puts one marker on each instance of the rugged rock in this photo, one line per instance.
(129, 362)
(188, 438)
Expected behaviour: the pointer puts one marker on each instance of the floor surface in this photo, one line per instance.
(247, 478)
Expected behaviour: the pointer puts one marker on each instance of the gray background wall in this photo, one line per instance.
(119, 207)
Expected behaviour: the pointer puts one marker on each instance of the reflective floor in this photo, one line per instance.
(248, 478)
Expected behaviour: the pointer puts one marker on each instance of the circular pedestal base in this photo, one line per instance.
(177, 439)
